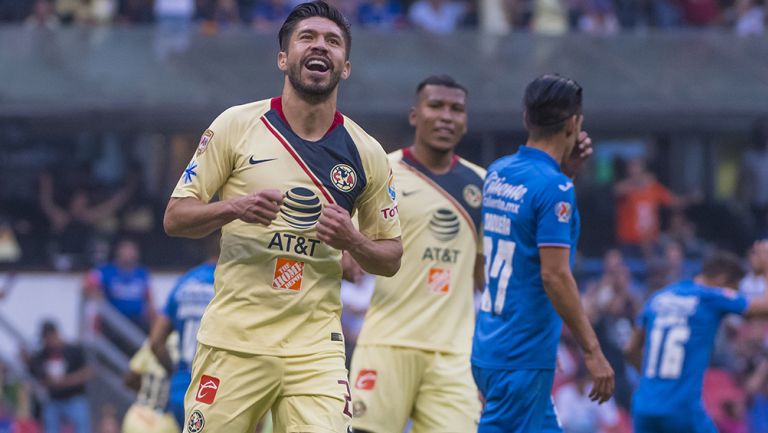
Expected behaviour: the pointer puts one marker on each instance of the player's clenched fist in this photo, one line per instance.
(260, 207)
(335, 227)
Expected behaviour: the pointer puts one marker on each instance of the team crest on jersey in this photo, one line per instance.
(343, 177)
(196, 422)
(444, 224)
(288, 274)
(563, 211)
(439, 280)
(358, 408)
(473, 196)
(207, 389)
(366, 379)
(205, 140)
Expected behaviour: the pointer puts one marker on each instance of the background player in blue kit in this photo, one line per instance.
(677, 327)
(531, 227)
(182, 313)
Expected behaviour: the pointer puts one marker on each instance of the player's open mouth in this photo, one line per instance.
(317, 64)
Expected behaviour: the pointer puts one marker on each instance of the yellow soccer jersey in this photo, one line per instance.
(154, 379)
(429, 303)
(277, 288)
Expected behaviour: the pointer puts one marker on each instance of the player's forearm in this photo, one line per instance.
(564, 295)
(379, 257)
(190, 218)
(161, 353)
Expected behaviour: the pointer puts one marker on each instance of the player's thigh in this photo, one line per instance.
(141, 419)
(384, 384)
(315, 396)
(516, 401)
(230, 390)
(447, 399)
(692, 422)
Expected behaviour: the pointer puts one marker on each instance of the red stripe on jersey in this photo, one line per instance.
(277, 105)
(445, 194)
(408, 153)
(298, 159)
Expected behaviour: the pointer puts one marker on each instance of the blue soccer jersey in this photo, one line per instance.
(126, 290)
(680, 323)
(528, 203)
(185, 307)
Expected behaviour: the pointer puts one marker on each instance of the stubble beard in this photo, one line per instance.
(312, 92)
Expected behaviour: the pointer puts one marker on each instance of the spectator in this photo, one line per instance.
(135, 11)
(750, 18)
(174, 15)
(640, 197)
(577, 413)
(666, 13)
(63, 370)
(700, 13)
(381, 15)
(753, 183)
(268, 16)
(437, 16)
(550, 17)
(683, 232)
(732, 420)
(43, 16)
(600, 19)
(125, 284)
(753, 284)
(757, 391)
(612, 308)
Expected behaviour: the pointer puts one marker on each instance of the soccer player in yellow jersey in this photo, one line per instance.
(289, 172)
(412, 357)
(149, 413)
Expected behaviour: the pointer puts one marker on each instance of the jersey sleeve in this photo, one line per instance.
(727, 301)
(139, 361)
(554, 208)
(377, 213)
(211, 165)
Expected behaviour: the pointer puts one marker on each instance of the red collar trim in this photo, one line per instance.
(277, 105)
(408, 153)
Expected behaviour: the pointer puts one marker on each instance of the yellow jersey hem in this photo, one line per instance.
(270, 351)
(415, 345)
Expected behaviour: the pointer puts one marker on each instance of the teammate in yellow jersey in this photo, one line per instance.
(289, 172)
(149, 414)
(412, 358)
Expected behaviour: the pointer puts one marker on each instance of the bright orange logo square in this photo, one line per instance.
(288, 274)
(439, 280)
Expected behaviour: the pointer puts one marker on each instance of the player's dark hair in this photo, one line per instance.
(549, 101)
(440, 80)
(726, 264)
(317, 8)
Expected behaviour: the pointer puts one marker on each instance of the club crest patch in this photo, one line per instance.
(205, 140)
(343, 177)
(196, 422)
(473, 196)
(563, 211)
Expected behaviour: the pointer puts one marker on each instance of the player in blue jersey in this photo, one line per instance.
(182, 313)
(530, 229)
(677, 327)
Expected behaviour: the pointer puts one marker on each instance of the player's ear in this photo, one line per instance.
(412, 117)
(282, 61)
(347, 70)
(571, 125)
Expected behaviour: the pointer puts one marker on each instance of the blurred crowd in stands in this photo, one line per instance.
(553, 17)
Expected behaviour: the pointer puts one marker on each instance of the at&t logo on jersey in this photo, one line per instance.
(563, 211)
(196, 422)
(366, 379)
(301, 208)
(444, 224)
(206, 390)
(343, 177)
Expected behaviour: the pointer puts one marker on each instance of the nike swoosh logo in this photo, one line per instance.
(259, 161)
(407, 193)
(566, 187)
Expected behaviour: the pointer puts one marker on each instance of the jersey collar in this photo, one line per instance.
(277, 105)
(532, 153)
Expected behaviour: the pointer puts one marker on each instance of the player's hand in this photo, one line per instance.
(335, 227)
(350, 269)
(580, 154)
(260, 207)
(602, 377)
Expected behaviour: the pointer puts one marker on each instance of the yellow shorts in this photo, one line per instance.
(142, 419)
(391, 384)
(231, 391)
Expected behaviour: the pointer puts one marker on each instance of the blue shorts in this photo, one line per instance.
(177, 390)
(516, 401)
(689, 422)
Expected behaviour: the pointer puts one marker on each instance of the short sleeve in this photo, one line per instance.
(664, 195)
(210, 166)
(139, 361)
(555, 206)
(377, 212)
(727, 301)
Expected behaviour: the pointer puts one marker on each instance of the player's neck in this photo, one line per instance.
(550, 147)
(434, 161)
(310, 120)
